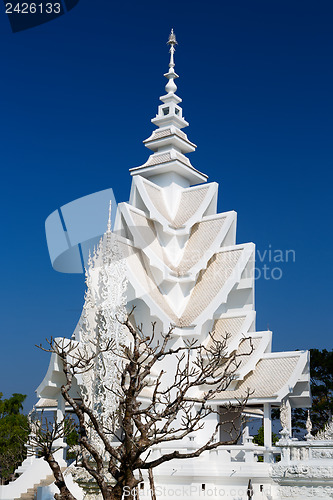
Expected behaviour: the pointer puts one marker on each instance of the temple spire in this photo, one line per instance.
(168, 142)
(171, 87)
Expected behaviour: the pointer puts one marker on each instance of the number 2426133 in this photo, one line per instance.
(33, 8)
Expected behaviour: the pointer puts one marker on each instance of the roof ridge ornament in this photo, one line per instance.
(171, 87)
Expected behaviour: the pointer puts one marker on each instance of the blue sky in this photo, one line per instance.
(77, 96)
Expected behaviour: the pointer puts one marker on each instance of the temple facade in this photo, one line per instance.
(182, 267)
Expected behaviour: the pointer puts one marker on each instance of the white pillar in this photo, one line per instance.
(267, 430)
(60, 409)
(203, 435)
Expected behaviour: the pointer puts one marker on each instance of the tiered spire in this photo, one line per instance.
(168, 142)
(172, 112)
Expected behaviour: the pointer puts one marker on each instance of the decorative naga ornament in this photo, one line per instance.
(101, 333)
(326, 434)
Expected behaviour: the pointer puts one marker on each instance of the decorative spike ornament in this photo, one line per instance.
(171, 87)
(103, 311)
(109, 220)
(308, 427)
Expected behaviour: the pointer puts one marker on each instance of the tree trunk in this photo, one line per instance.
(126, 489)
(151, 484)
(64, 494)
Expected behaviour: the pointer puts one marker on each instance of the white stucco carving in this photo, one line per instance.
(103, 311)
(284, 416)
(326, 433)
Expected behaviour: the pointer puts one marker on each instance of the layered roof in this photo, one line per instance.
(184, 267)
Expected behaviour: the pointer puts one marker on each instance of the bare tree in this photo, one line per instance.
(150, 410)
(43, 437)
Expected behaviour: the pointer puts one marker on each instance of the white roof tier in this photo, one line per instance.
(175, 210)
(161, 138)
(205, 238)
(167, 165)
(274, 378)
(212, 287)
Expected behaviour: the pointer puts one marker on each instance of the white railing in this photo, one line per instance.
(300, 451)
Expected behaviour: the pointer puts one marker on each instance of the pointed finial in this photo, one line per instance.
(109, 220)
(172, 42)
(172, 39)
(308, 426)
(171, 87)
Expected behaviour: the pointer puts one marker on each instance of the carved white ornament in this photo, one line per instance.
(281, 472)
(284, 416)
(326, 433)
(305, 492)
(308, 427)
(322, 453)
(103, 310)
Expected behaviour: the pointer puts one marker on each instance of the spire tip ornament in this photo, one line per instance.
(172, 40)
(171, 87)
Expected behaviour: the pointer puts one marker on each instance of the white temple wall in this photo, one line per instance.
(230, 238)
(212, 207)
(240, 299)
(168, 178)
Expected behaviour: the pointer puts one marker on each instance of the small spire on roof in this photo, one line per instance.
(109, 220)
(171, 87)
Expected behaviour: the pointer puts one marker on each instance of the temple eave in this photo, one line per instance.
(184, 145)
(191, 174)
(162, 121)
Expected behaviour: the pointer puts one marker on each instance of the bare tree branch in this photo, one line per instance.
(153, 407)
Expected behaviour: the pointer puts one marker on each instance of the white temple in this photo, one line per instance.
(183, 267)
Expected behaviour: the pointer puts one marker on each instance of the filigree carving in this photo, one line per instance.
(282, 472)
(326, 434)
(322, 453)
(103, 311)
(305, 492)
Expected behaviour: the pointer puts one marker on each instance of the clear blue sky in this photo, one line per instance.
(77, 96)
